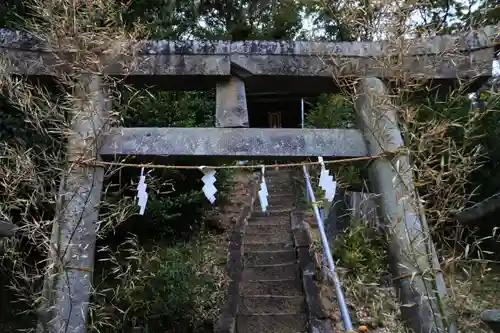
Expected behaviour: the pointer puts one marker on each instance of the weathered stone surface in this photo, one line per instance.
(20, 40)
(291, 287)
(476, 63)
(227, 319)
(231, 104)
(267, 304)
(67, 289)
(479, 210)
(307, 66)
(7, 229)
(400, 210)
(301, 238)
(242, 142)
(492, 319)
(185, 47)
(168, 65)
(275, 323)
(475, 39)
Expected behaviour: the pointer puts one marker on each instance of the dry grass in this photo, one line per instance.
(472, 288)
(237, 198)
(442, 135)
(227, 216)
(30, 175)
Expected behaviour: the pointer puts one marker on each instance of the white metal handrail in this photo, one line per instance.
(328, 254)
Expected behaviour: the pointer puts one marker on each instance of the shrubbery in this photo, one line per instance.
(161, 288)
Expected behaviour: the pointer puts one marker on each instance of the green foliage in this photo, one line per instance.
(471, 128)
(180, 213)
(331, 111)
(11, 123)
(169, 109)
(488, 133)
(361, 250)
(176, 205)
(166, 289)
(12, 12)
(164, 281)
(249, 19)
(336, 111)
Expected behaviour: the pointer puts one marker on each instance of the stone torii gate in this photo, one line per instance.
(235, 68)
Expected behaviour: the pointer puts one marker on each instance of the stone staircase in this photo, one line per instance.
(272, 273)
(271, 295)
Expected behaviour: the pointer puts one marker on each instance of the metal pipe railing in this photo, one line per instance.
(328, 254)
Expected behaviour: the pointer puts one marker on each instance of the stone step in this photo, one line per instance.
(283, 196)
(269, 228)
(282, 184)
(271, 272)
(275, 181)
(266, 238)
(289, 287)
(278, 190)
(250, 247)
(274, 200)
(278, 174)
(280, 206)
(283, 219)
(256, 258)
(289, 196)
(267, 304)
(275, 323)
(272, 212)
(272, 173)
(277, 201)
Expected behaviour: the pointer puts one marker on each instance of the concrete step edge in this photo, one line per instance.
(271, 244)
(290, 263)
(273, 296)
(267, 233)
(273, 314)
(275, 251)
(270, 211)
(277, 280)
(246, 242)
(269, 219)
(273, 224)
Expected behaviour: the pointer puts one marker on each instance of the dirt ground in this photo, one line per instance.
(216, 246)
(238, 197)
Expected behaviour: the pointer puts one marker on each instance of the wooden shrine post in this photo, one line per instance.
(399, 209)
(67, 287)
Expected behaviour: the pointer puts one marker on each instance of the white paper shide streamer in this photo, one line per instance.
(208, 180)
(263, 194)
(142, 195)
(326, 181)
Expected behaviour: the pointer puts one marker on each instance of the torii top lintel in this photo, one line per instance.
(194, 64)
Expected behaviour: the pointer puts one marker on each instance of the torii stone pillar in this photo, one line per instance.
(492, 319)
(67, 290)
(399, 210)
